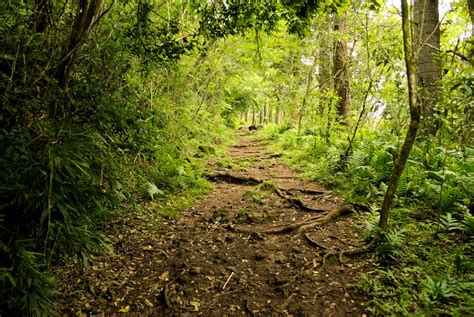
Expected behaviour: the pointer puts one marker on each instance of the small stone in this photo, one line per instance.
(259, 257)
(280, 257)
(195, 270)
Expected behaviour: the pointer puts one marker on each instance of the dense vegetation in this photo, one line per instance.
(108, 105)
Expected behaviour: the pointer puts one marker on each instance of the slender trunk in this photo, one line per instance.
(341, 80)
(325, 67)
(415, 114)
(42, 15)
(363, 111)
(470, 5)
(87, 15)
(265, 114)
(278, 115)
(254, 116)
(427, 45)
(309, 80)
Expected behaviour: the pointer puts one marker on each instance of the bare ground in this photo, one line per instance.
(254, 246)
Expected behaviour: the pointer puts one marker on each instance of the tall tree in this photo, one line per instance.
(427, 45)
(415, 118)
(88, 14)
(341, 72)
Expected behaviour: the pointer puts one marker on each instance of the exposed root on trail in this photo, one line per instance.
(166, 299)
(233, 179)
(342, 253)
(308, 191)
(281, 192)
(303, 226)
(295, 201)
(343, 210)
(314, 242)
(366, 249)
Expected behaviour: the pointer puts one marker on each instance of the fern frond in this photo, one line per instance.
(153, 190)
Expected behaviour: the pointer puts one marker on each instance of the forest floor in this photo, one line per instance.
(253, 246)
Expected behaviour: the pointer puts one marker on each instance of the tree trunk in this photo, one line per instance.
(254, 116)
(88, 13)
(426, 43)
(309, 81)
(415, 114)
(278, 116)
(265, 113)
(341, 73)
(42, 15)
(470, 5)
(325, 66)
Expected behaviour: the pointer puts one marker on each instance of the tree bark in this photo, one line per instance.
(87, 15)
(326, 65)
(42, 15)
(341, 73)
(427, 45)
(415, 118)
(470, 5)
(278, 115)
(265, 114)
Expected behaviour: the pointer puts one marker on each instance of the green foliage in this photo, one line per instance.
(389, 247)
(448, 223)
(468, 223)
(118, 136)
(25, 285)
(255, 196)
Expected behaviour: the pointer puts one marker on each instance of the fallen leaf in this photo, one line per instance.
(125, 309)
(148, 303)
(196, 305)
(165, 276)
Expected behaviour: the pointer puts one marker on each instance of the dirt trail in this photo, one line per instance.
(225, 256)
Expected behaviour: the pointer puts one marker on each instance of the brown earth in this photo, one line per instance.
(253, 246)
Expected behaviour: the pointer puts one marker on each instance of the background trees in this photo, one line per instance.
(105, 104)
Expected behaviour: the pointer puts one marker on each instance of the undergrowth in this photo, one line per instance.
(423, 264)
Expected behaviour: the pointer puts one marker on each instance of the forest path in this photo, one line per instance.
(232, 253)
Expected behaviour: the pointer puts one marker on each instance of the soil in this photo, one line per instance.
(225, 256)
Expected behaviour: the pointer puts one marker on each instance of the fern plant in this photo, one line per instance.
(390, 247)
(449, 223)
(153, 190)
(468, 223)
(437, 290)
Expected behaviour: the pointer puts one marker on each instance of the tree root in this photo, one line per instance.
(233, 179)
(308, 191)
(282, 193)
(165, 296)
(295, 201)
(344, 209)
(353, 252)
(314, 242)
(305, 225)
(282, 229)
